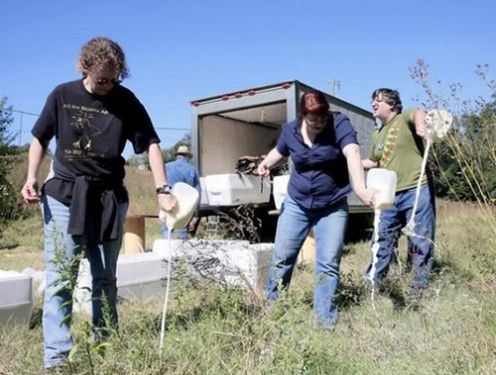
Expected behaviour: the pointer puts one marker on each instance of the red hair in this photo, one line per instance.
(314, 102)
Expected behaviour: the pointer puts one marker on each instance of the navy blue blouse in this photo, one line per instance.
(320, 175)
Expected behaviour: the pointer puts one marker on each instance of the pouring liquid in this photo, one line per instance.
(166, 297)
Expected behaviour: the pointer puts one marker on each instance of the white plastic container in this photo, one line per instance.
(203, 192)
(187, 198)
(383, 181)
(16, 298)
(235, 189)
(280, 189)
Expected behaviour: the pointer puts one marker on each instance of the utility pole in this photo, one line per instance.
(21, 114)
(20, 132)
(335, 86)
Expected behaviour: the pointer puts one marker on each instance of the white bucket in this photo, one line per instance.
(383, 181)
(187, 201)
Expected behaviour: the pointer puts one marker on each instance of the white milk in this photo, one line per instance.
(374, 250)
(166, 296)
(187, 198)
(437, 123)
(384, 182)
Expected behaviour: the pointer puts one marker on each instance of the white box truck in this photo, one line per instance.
(248, 122)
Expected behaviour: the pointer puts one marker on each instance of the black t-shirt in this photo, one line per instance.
(91, 132)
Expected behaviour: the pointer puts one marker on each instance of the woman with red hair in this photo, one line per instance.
(326, 157)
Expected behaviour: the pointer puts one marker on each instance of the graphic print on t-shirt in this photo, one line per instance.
(83, 124)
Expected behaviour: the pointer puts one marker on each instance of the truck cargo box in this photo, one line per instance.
(248, 122)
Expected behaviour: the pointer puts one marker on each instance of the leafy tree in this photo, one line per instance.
(8, 195)
(6, 120)
(170, 153)
(138, 161)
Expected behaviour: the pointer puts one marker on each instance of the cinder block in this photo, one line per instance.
(143, 276)
(16, 298)
(139, 276)
(231, 263)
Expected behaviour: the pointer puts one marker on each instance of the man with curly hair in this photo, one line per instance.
(84, 201)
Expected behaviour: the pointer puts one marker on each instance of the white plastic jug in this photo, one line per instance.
(280, 189)
(187, 201)
(383, 181)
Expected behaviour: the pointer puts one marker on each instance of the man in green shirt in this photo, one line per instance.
(397, 145)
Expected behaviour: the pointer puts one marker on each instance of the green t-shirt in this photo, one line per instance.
(404, 150)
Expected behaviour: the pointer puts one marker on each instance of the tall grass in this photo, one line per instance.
(212, 330)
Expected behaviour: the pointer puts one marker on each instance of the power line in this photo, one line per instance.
(25, 113)
(22, 113)
(166, 128)
(37, 114)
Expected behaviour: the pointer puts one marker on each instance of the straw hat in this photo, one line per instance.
(183, 150)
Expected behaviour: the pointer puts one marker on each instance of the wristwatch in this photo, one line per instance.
(164, 189)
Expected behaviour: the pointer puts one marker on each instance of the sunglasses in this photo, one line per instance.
(106, 81)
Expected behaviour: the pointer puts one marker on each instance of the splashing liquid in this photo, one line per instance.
(167, 288)
(374, 250)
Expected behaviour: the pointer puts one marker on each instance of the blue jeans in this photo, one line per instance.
(61, 251)
(392, 221)
(329, 227)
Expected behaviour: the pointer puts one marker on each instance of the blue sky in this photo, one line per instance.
(179, 51)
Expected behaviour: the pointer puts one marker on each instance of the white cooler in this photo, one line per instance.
(235, 189)
(203, 192)
(16, 298)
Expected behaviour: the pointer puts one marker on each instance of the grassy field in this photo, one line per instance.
(211, 330)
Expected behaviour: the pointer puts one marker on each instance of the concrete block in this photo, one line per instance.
(231, 263)
(16, 298)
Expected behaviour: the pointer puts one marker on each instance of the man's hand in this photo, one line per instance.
(167, 202)
(30, 191)
(418, 118)
(193, 224)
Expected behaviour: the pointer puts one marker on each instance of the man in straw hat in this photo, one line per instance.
(181, 170)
